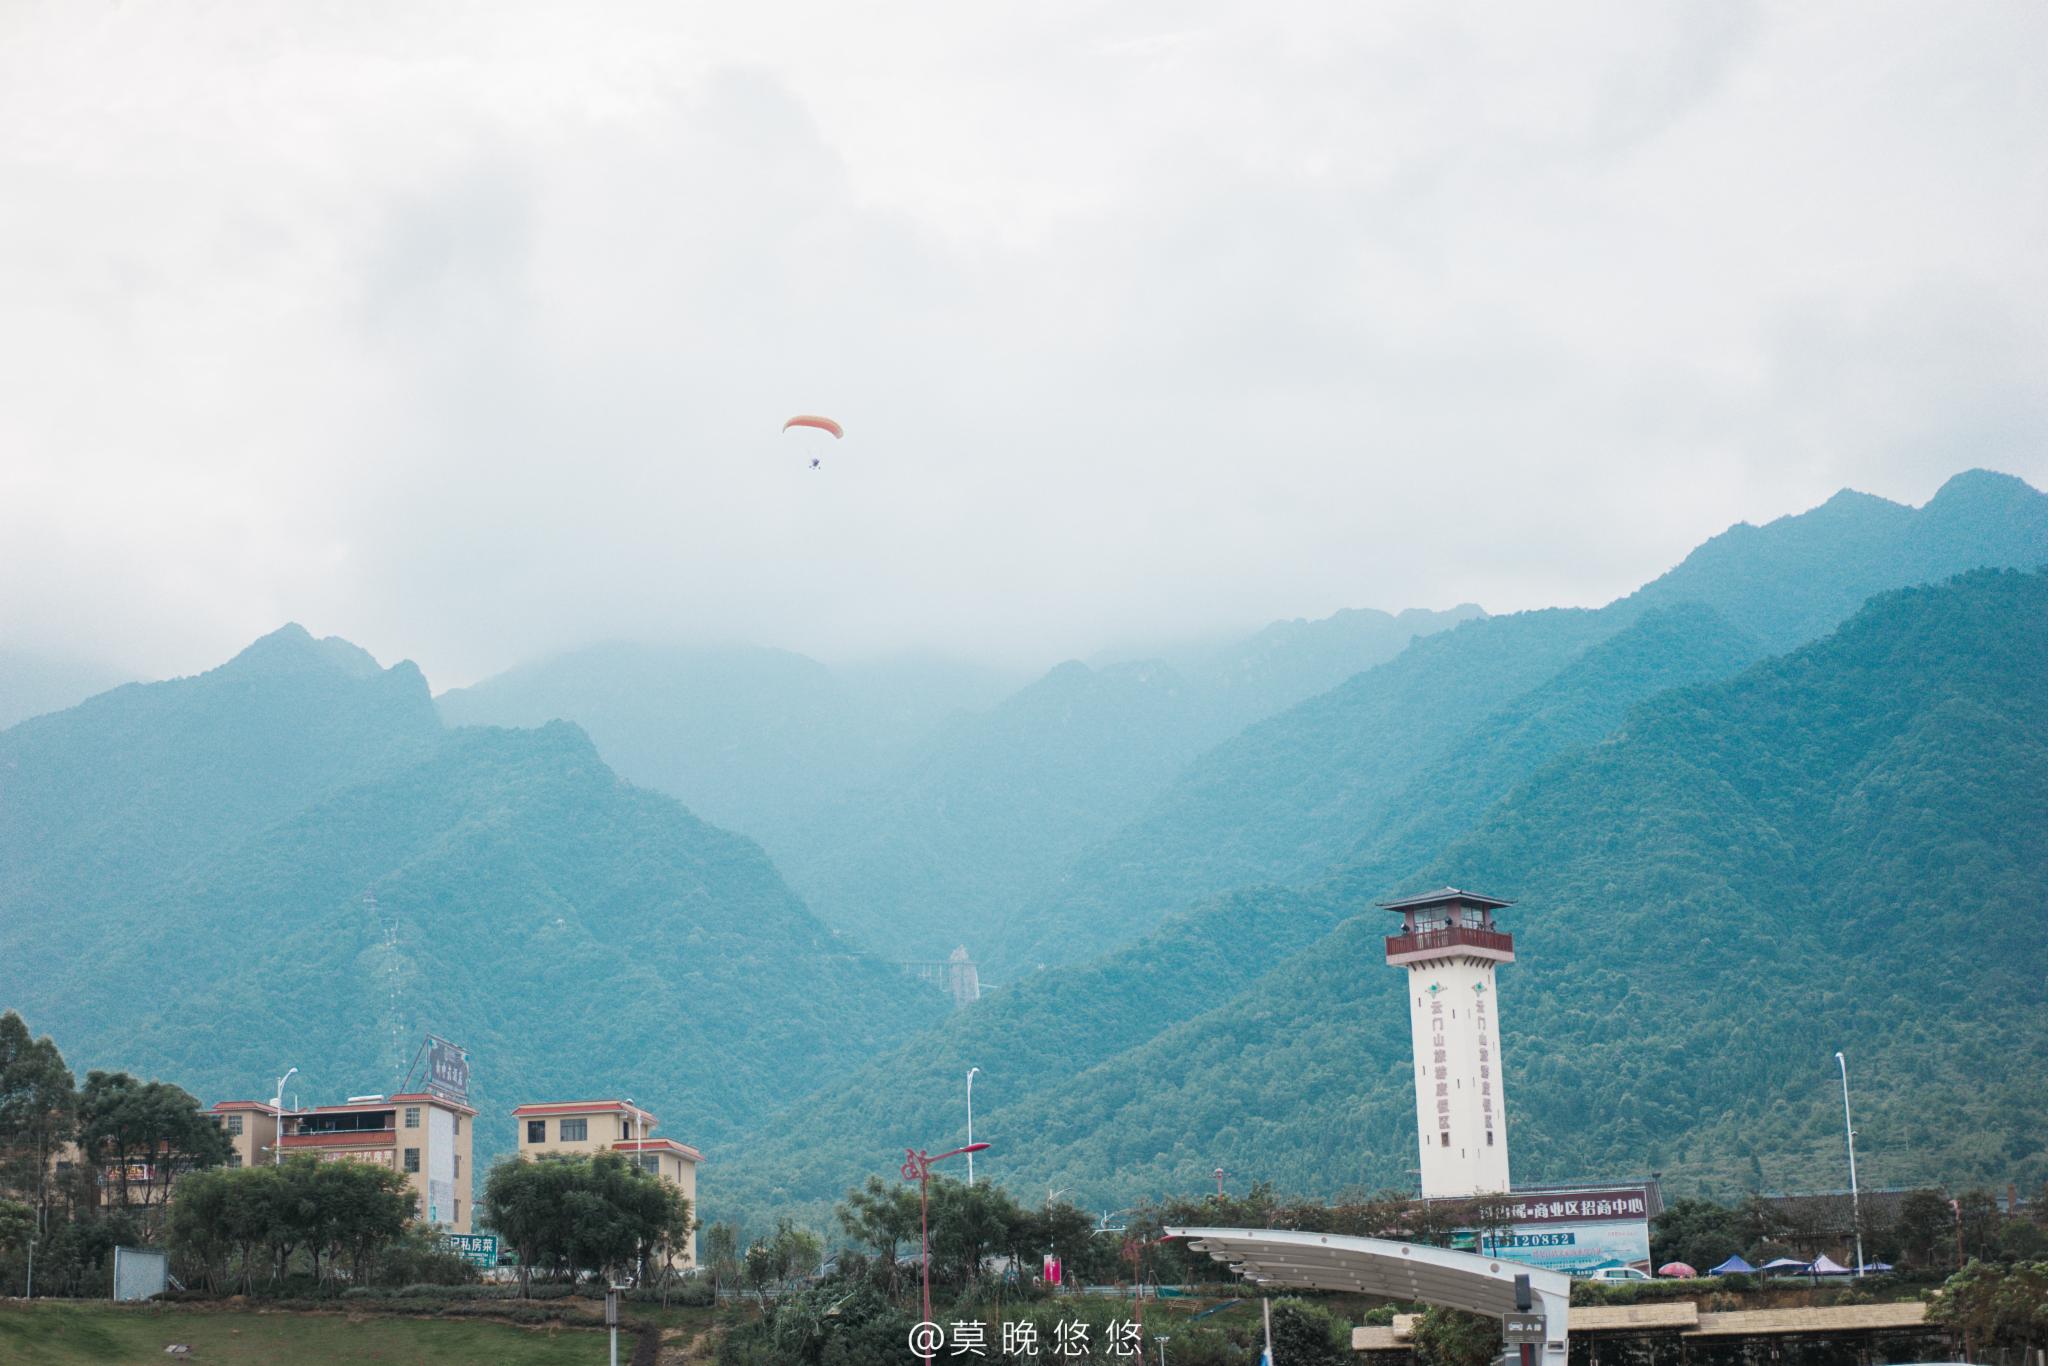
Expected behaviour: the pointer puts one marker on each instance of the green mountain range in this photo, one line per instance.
(289, 860)
(1837, 848)
(1301, 794)
(1778, 802)
(908, 805)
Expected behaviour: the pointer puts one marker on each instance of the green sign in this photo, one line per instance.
(478, 1249)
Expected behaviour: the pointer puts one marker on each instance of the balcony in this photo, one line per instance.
(1451, 942)
(341, 1138)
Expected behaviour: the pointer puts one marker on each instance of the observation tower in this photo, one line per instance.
(1449, 946)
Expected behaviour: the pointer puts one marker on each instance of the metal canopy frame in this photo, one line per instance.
(1401, 1271)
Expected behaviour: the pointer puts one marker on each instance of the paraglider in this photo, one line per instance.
(823, 424)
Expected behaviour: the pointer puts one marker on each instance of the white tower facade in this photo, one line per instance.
(1448, 948)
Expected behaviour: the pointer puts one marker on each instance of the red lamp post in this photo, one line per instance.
(917, 1166)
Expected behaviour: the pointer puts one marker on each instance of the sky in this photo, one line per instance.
(466, 331)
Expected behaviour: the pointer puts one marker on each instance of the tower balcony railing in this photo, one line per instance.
(1450, 937)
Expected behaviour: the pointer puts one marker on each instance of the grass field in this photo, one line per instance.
(48, 1334)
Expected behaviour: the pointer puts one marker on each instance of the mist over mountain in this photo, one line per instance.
(909, 805)
(1732, 855)
(33, 684)
(288, 860)
(751, 738)
(1297, 795)
(1836, 848)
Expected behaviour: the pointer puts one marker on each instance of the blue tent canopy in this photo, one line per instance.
(1733, 1266)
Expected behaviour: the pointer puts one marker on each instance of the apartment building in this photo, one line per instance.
(423, 1135)
(592, 1126)
(251, 1127)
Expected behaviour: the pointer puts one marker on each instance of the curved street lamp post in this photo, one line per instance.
(917, 1166)
(1855, 1199)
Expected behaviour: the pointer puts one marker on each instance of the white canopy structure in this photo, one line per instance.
(1403, 1271)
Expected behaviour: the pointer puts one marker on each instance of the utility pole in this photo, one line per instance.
(1855, 1199)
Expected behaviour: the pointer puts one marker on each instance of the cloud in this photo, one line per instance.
(467, 332)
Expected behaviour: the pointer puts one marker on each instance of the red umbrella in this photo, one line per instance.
(1677, 1271)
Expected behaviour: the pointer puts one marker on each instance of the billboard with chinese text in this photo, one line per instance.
(447, 1070)
(1576, 1230)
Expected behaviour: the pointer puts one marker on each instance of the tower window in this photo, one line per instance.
(1446, 1139)
(1489, 1138)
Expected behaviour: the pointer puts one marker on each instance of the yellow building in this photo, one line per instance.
(251, 1127)
(594, 1126)
(425, 1137)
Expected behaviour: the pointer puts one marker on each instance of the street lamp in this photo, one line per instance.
(1220, 1174)
(917, 1166)
(970, 1124)
(277, 1114)
(1855, 1200)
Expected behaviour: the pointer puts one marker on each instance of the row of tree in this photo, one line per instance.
(568, 1216)
(1925, 1231)
(227, 1227)
(85, 1168)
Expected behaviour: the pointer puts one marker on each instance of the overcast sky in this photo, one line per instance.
(466, 330)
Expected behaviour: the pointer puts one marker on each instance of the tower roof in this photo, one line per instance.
(1445, 896)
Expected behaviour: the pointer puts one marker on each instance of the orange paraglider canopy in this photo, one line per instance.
(823, 424)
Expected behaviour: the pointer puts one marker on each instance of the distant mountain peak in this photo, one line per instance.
(1852, 501)
(1980, 478)
(292, 649)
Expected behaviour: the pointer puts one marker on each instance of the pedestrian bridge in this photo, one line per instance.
(1416, 1272)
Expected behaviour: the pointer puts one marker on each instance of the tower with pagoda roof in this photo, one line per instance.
(1449, 946)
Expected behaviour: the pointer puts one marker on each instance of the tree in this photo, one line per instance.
(1700, 1233)
(1452, 1337)
(1311, 1335)
(881, 1216)
(722, 1256)
(38, 1112)
(1993, 1307)
(1977, 1217)
(789, 1252)
(1926, 1227)
(574, 1214)
(351, 1212)
(128, 1126)
(17, 1224)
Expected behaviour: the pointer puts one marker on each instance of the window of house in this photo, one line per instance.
(458, 1211)
(412, 1116)
(234, 1158)
(575, 1130)
(458, 1124)
(412, 1159)
(536, 1131)
(651, 1162)
(458, 1166)
(1489, 1138)
(234, 1124)
(1445, 1137)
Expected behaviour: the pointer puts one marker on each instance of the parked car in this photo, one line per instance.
(1620, 1273)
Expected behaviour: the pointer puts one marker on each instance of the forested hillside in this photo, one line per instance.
(1839, 848)
(751, 739)
(201, 851)
(1297, 796)
(909, 805)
